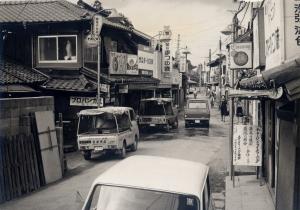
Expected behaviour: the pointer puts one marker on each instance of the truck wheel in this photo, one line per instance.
(134, 146)
(122, 154)
(87, 155)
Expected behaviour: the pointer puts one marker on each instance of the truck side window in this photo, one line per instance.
(123, 122)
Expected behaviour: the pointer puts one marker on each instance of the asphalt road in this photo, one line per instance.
(205, 145)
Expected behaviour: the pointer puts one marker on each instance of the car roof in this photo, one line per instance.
(109, 109)
(157, 173)
(158, 99)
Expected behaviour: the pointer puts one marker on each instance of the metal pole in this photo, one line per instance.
(98, 78)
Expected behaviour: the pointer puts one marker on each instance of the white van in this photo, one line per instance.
(148, 182)
(107, 129)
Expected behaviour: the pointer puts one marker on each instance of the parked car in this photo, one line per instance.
(148, 182)
(107, 129)
(158, 112)
(197, 112)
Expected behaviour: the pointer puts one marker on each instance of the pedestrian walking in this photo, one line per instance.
(223, 109)
(195, 93)
(239, 110)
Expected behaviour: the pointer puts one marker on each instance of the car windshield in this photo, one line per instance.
(116, 198)
(152, 108)
(197, 105)
(97, 124)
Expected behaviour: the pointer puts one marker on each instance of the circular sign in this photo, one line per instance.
(240, 58)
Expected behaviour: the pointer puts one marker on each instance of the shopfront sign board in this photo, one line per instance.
(282, 31)
(247, 145)
(85, 101)
(146, 58)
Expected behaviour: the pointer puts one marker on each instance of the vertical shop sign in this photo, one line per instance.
(167, 57)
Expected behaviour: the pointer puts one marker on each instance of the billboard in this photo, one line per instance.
(241, 55)
(145, 58)
(122, 63)
(132, 65)
(247, 145)
(118, 63)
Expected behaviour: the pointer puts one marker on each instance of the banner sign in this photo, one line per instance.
(247, 145)
(167, 57)
(132, 65)
(241, 55)
(84, 101)
(145, 58)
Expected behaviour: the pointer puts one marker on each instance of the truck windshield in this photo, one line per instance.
(152, 108)
(97, 124)
(116, 198)
(197, 105)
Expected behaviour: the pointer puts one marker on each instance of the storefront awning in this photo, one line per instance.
(286, 75)
(254, 94)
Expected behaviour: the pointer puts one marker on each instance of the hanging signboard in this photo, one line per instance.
(132, 65)
(247, 145)
(118, 63)
(85, 101)
(92, 40)
(241, 55)
(145, 57)
(97, 25)
(167, 57)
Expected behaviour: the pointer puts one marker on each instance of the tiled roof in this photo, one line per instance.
(12, 73)
(41, 11)
(132, 79)
(79, 83)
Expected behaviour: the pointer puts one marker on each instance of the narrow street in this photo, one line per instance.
(199, 144)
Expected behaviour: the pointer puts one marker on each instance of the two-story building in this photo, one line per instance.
(45, 51)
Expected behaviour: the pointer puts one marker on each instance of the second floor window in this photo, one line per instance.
(57, 49)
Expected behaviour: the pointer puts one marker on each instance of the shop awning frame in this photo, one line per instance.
(256, 94)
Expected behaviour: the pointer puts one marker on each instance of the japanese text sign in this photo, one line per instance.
(85, 101)
(247, 145)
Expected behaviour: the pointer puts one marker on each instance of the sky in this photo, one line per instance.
(199, 22)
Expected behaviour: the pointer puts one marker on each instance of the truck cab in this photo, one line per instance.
(106, 129)
(158, 112)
